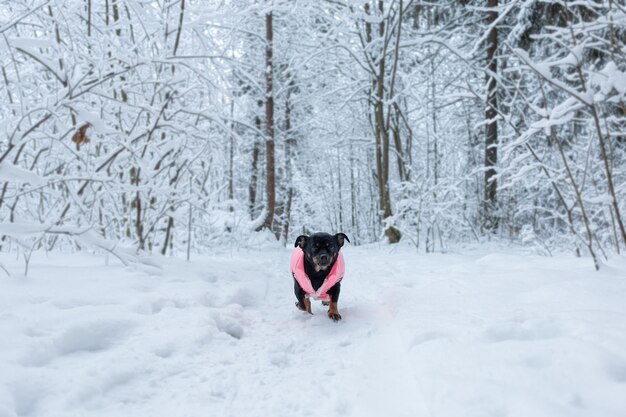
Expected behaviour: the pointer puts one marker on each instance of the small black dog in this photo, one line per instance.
(321, 251)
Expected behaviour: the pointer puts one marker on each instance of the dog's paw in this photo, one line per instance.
(306, 307)
(326, 303)
(334, 316)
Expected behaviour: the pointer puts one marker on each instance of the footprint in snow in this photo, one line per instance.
(526, 330)
(425, 338)
(91, 336)
(157, 305)
(280, 361)
(345, 343)
(209, 277)
(164, 351)
(229, 324)
(244, 297)
(26, 397)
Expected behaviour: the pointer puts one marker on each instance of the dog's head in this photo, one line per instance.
(321, 249)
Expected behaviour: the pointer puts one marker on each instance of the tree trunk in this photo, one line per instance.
(180, 26)
(168, 234)
(254, 179)
(116, 16)
(256, 156)
(269, 126)
(381, 129)
(290, 144)
(491, 139)
(89, 18)
(231, 159)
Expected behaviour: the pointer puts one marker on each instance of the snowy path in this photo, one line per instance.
(479, 334)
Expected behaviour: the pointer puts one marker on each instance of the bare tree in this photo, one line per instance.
(383, 69)
(491, 114)
(270, 164)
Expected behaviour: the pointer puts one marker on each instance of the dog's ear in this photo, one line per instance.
(340, 238)
(301, 241)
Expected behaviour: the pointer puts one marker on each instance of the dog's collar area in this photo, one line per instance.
(334, 276)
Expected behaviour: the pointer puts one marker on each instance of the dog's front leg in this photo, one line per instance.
(303, 303)
(307, 305)
(333, 311)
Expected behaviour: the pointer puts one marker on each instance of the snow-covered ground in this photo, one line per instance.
(481, 333)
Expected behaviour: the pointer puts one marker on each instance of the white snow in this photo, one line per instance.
(31, 42)
(97, 124)
(479, 333)
(15, 174)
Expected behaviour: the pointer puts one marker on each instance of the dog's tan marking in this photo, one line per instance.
(333, 312)
(307, 305)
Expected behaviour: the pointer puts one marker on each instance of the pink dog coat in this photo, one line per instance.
(297, 270)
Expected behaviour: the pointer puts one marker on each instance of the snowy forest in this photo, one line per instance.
(169, 126)
(159, 158)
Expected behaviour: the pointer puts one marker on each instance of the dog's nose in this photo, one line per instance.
(324, 258)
